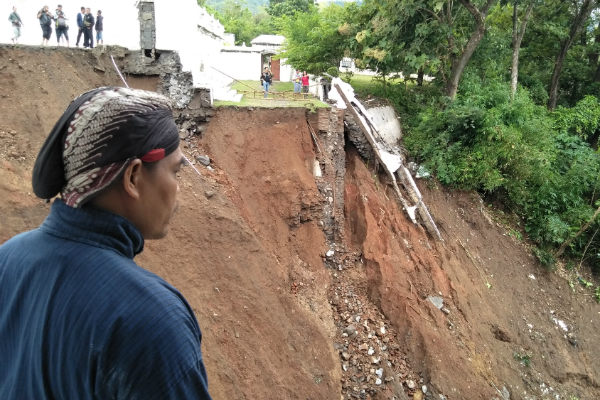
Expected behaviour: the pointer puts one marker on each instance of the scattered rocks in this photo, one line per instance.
(371, 361)
(203, 159)
(350, 331)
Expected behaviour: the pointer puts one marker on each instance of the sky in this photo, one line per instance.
(120, 20)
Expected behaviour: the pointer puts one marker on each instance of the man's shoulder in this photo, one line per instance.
(22, 241)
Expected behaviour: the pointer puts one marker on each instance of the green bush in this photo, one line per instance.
(582, 120)
(537, 162)
(333, 71)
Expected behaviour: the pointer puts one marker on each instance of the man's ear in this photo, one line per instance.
(132, 179)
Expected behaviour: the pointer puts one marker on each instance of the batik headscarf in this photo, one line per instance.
(98, 135)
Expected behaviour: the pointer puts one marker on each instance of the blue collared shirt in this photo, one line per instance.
(80, 320)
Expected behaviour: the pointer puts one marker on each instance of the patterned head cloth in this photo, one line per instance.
(98, 135)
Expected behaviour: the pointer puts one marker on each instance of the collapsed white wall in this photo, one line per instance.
(195, 34)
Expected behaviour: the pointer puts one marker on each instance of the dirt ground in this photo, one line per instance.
(247, 250)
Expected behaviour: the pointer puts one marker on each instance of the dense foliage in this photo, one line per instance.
(533, 161)
(316, 40)
(254, 6)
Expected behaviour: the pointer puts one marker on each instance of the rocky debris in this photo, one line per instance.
(357, 137)
(192, 122)
(371, 359)
(165, 61)
(203, 159)
(331, 159)
(178, 86)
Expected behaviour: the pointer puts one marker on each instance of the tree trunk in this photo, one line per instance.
(516, 43)
(578, 21)
(459, 64)
(420, 74)
(594, 57)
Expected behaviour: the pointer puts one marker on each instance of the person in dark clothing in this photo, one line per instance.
(88, 32)
(62, 28)
(99, 28)
(79, 318)
(80, 25)
(45, 17)
(265, 79)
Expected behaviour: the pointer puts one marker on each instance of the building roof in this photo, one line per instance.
(270, 40)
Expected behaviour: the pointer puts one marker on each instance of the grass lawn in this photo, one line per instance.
(280, 95)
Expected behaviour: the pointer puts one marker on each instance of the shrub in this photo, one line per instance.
(537, 161)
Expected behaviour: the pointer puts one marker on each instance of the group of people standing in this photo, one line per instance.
(301, 83)
(86, 24)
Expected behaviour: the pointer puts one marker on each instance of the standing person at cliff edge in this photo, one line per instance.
(80, 25)
(16, 23)
(99, 28)
(79, 318)
(305, 84)
(62, 28)
(88, 26)
(45, 17)
(265, 80)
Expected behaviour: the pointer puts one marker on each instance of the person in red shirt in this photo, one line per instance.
(304, 83)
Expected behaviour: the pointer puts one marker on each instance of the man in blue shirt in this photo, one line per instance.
(80, 25)
(79, 318)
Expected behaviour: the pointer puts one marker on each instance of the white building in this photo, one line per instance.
(270, 45)
(247, 63)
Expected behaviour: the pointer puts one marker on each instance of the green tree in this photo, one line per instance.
(237, 19)
(317, 39)
(435, 34)
(279, 8)
(580, 15)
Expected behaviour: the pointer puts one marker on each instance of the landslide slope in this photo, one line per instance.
(247, 250)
